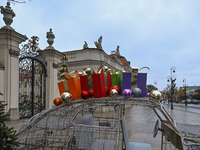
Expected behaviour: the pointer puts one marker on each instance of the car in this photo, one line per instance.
(189, 101)
(183, 101)
(196, 101)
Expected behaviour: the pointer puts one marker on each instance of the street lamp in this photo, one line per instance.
(184, 80)
(172, 70)
(64, 59)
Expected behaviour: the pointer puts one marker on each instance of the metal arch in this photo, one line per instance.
(33, 58)
(144, 68)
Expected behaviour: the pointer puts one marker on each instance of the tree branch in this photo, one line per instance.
(16, 1)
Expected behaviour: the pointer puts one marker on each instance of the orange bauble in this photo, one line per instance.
(57, 101)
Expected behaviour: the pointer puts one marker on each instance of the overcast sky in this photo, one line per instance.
(158, 34)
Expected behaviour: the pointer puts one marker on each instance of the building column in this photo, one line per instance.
(52, 58)
(9, 59)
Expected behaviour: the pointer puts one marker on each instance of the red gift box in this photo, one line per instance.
(84, 83)
(108, 82)
(98, 85)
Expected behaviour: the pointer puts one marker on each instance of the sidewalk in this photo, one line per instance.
(183, 105)
(140, 123)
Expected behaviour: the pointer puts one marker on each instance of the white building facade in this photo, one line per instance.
(94, 58)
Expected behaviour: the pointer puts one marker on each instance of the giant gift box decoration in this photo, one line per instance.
(108, 83)
(134, 76)
(71, 85)
(99, 85)
(97, 81)
(101, 81)
(141, 83)
(86, 79)
(116, 78)
(126, 80)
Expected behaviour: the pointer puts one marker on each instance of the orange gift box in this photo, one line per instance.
(63, 86)
(71, 85)
(74, 88)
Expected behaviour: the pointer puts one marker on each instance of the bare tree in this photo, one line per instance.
(167, 92)
(150, 88)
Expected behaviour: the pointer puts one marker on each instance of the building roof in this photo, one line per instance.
(123, 59)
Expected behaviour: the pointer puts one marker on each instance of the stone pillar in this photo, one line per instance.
(52, 57)
(9, 58)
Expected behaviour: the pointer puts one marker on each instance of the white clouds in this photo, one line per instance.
(153, 33)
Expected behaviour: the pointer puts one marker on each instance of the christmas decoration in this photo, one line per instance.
(106, 89)
(57, 101)
(155, 95)
(113, 93)
(85, 94)
(91, 93)
(117, 88)
(66, 97)
(127, 93)
(136, 92)
(147, 95)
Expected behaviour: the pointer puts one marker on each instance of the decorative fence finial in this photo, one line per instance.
(50, 39)
(8, 15)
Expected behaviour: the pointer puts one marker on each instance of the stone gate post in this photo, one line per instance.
(52, 57)
(9, 61)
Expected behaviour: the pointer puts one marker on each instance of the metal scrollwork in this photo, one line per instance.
(32, 79)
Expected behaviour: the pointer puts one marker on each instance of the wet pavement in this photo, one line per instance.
(194, 108)
(141, 121)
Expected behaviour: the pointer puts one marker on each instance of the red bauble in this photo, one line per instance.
(85, 94)
(116, 87)
(57, 101)
(91, 93)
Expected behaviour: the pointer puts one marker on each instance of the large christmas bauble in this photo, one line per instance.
(85, 94)
(147, 95)
(57, 101)
(117, 88)
(127, 93)
(155, 95)
(136, 92)
(66, 97)
(113, 93)
(91, 93)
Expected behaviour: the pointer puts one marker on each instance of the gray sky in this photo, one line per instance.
(158, 34)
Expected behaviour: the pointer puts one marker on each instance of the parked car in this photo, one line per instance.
(183, 101)
(196, 101)
(189, 101)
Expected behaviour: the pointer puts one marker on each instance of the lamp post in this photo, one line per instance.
(64, 59)
(172, 70)
(184, 80)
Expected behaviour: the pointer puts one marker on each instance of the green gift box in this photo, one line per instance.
(117, 79)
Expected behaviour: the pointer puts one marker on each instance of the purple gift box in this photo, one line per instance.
(126, 81)
(142, 82)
